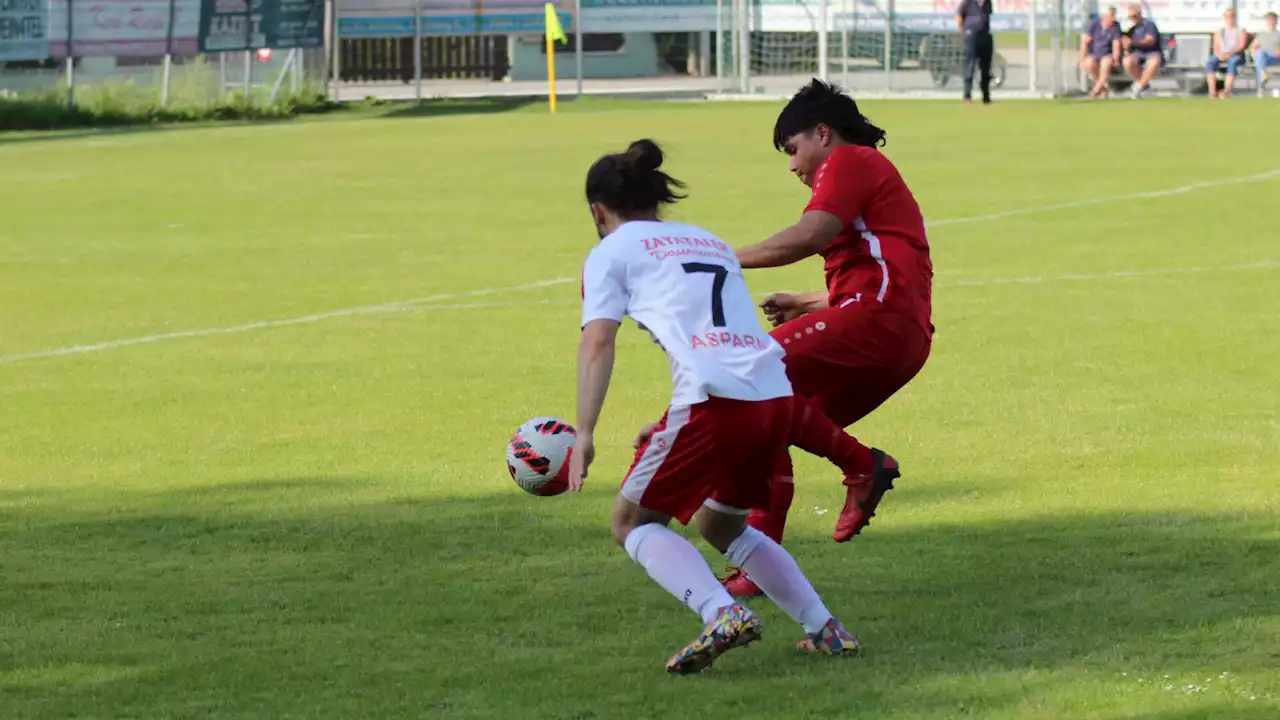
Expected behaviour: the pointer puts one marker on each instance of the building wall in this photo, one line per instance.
(637, 58)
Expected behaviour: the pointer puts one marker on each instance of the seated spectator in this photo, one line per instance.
(1266, 50)
(1228, 50)
(1145, 52)
(1100, 50)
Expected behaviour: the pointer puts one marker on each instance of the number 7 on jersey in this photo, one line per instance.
(720, 273)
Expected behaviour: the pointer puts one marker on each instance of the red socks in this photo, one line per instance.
(815, 433)
(782, 489)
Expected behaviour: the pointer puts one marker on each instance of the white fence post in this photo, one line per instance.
(248, 76)
(888, 46)
(719, 45)
(417, 50)
(577, 44)
(1034, 43)
(71, 60)
(744, 46)
(168, 56)
(336, 51)
(823, 40)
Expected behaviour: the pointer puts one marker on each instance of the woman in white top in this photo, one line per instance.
(1228, 50)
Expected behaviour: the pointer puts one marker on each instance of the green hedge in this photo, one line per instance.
(119, 105)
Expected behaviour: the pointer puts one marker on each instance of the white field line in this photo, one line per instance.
(1149, 195)
(432, 301)
(1028, 280)
(1035, 279)
(302, 320)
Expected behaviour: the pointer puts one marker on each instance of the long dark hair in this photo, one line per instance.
(630, 183)
(821, 104)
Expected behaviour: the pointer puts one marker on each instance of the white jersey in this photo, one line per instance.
(685, 286)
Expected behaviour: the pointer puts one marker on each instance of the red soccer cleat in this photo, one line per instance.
(739, 585)
(863, 496)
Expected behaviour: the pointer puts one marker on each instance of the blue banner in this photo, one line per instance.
(24, 30)
(505, 24)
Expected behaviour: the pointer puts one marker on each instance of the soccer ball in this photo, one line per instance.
(538, 455)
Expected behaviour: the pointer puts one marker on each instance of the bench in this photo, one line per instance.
(1185, 55)
(1200, 45)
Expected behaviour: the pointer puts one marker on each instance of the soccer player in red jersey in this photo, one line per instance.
(710, 458)
(852, 346)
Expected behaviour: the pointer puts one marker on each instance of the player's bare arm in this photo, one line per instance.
(595, 367)
(784, 307)
(809, 236)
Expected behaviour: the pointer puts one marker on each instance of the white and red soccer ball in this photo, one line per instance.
(538, 455)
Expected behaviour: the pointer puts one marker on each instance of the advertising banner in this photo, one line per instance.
(394, 18)
(233, 25)
(123, 28)
(24, 30)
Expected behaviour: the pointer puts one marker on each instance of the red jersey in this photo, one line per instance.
(882, 254)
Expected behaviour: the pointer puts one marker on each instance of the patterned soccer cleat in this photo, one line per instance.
(740, 585)
(832, 639)
(863, 496)
(734, 626)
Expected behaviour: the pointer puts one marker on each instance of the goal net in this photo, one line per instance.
(875, 46)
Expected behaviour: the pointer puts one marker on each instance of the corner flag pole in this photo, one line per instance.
(554, 33)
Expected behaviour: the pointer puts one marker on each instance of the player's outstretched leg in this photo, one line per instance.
(734, 626)
(675, 564)
(832, 639)
(868, 473)
(776, 572)
(863, 494)
(771, 522)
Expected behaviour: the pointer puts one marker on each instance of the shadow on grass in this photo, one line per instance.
(65, 129)
(476, 106)
(30, 136)
(291, 598)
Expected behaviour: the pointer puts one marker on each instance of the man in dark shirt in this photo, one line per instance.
(1100, 50)
(1145, 53)
(973, 18)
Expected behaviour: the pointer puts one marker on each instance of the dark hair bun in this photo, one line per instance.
(645, 155)
(630, 183)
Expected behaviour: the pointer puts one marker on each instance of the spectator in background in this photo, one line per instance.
(1266, 50)
(1100, 50)
(973, 18)
(1146, 53)
(1228, 50)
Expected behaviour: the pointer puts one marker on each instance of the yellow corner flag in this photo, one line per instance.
(554, 33)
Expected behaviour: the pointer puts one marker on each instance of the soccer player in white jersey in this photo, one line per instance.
(712, 455)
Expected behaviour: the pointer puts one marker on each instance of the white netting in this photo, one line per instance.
(872, 49)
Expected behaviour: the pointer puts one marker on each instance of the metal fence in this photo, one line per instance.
(873, 49)
(175, 80)
(401, 49)
(750, 47)
(148, 52)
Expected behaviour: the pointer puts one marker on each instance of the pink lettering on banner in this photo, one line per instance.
(124, 28)
(139, 20)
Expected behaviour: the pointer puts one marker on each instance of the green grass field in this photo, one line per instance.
(312, 519)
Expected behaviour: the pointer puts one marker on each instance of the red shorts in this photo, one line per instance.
(852, 359)
(719, 452)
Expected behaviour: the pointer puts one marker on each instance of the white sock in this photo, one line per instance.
(778, 575)
(676, 565)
